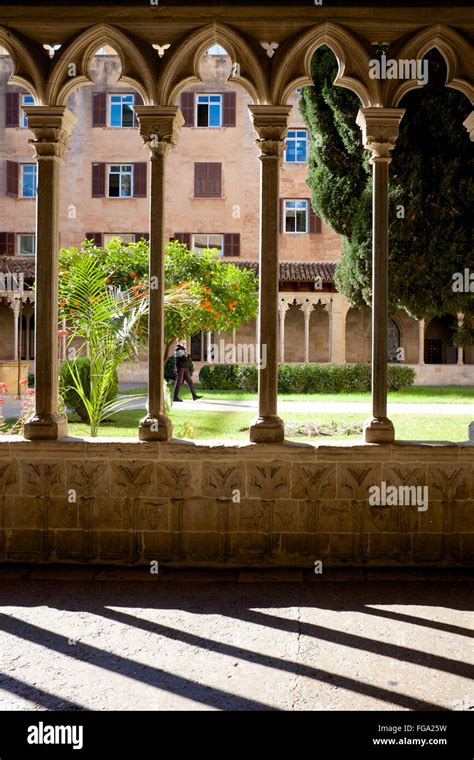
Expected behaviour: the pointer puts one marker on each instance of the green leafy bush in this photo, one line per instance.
(303, 378)
(69, 394)
(170, 369)
(220, 377)
(31, 379)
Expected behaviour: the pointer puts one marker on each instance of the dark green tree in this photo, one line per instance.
(431, 192)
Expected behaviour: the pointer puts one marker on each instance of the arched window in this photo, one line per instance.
(393, 343)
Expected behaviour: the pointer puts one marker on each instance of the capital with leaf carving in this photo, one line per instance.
(271, 125)
(380, 129)
(159, 127)
(52, 127)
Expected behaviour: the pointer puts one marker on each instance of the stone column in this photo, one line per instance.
(337, 318)
(270, 124)
(159, 127)
(421, 342)
(15, 305)
(460, 361)
(282, 309)
(307, 307)
(51, 127)
(380, 128)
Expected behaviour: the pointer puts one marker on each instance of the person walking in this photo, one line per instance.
(183, 374)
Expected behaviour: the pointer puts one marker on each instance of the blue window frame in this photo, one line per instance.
(296, 146)
(26, 100)
(121, 112)
(28, 181)
(209, 111)
(296, 216)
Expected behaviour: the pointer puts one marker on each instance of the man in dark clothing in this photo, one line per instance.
(182, 358)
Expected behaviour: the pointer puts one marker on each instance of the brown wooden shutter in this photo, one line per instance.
(99, 109)
(138, 101)
(12, 109)
(315, 225)
(139, 180)
(7, 243)
(98, 180)
(12, 179)
(187, 108)
(231, 244)
(183, 237)
(96, 237)
(229, 109)
(207, 180)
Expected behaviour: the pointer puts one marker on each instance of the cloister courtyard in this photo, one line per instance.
(300, 537)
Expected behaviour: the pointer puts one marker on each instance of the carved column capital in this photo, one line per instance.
(52, 127)
(159, 127)
(380, 129)
(271, 125)
(469, 124)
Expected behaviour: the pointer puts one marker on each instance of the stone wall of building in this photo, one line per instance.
(189, 504)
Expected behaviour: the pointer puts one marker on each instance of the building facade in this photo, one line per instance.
(212, 200)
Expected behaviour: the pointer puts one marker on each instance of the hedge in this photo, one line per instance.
(303, 378)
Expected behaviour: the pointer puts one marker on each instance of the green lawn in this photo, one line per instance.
(421, 394)
(207, 425)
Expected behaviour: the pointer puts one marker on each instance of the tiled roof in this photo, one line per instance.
(294, 271)
(14, 264)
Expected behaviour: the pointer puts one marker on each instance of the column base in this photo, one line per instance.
(379, 430)
(46, 427)
(267, 430)
(155, 428)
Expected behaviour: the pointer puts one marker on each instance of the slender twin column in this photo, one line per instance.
(51, 127)
(421, 341)
(270, 124)
(380, 129)
(159, 127)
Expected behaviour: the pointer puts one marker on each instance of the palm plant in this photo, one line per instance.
(111, 323)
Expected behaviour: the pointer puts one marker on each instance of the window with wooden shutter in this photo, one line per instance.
(182, 237)
(139, 180)
(187, 108)
(98, 180)
(96, 237)
(229, 109)
(12, 109)
(99, 109)
(231, 244)
(207, 180)
(7, 243)
(12, 179)
(315, 223)
(137, 101)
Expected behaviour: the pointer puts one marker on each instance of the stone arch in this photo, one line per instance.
(139, 64)
(292, 66)
(452, 46)
(181, 66)
(30, 63)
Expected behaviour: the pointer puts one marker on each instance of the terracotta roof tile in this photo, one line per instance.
(295, 271)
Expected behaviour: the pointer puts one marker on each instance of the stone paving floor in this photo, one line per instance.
(106, 638)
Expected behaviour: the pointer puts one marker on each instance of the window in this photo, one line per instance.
(209, 111)
(26, 244)
(28, 181)
(26, 100)
(296, 146)
(433, 352)
(121, 112)
(205, 240)
(125, 237)
(296, 216)
(120, 180)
